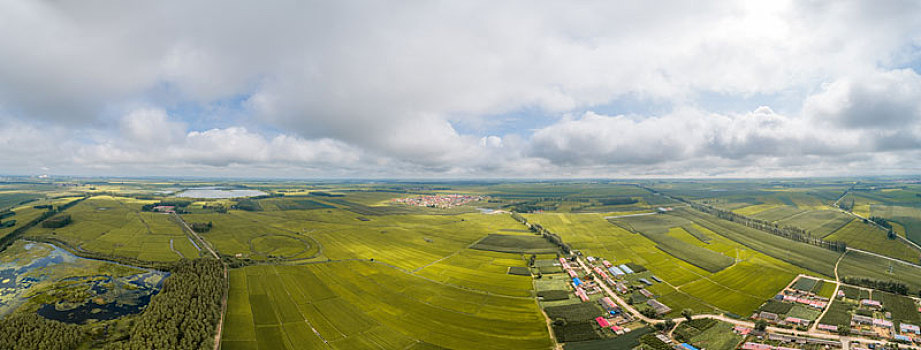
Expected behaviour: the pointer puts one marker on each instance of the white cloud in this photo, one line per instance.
(385, 88)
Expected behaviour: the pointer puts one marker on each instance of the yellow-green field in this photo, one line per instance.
(362, 304)
(739, 289)
(115, 226)
(870, 238)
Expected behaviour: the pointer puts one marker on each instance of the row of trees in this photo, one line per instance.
(549, 236)
(790, 232)
(889, 286)
(185, 312)
(5, 241)
(31, 331)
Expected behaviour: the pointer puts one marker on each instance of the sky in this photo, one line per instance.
(460, 89)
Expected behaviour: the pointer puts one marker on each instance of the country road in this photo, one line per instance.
(220, 324)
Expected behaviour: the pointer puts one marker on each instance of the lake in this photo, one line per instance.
(218, 193)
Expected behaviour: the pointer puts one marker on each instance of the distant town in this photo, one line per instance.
(439, 201)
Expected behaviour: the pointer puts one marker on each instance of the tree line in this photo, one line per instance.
(789, 232)
(31, 331)
(549, 236)
(185, 312)
(5, 241)
(889, 286)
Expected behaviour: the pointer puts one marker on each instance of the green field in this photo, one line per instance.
(116, 227)
(857, 264)
(524, 244)
(870, 238)
(358, 304)
(742, 287)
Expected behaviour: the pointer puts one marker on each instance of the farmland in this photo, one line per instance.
(359, 304)
(344, 266)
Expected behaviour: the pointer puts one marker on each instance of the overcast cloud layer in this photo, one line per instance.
(413, 89)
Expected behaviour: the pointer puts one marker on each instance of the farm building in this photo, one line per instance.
(621, 288)
(590, 259)
(646, 293)
(606, 263)
(609, 281)
(797, 321)
(767, 316)
(581, 294)
(608, 304)
(645, 281)
(902, 338)
(827, 327)
(663, 338)
(658, 307)
(871, 303)
(878, 322)
(602, 322)
(625, 269)
(572, 273)
(655, 278)
(576, 281)
(741, 330)
(756, 346)
(909, 328)
(858, 319)
(617, 272)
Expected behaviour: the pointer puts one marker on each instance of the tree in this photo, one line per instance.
(687, 313)
(761, 325)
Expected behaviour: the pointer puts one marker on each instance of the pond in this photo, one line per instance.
(218, 193)
(61, 286)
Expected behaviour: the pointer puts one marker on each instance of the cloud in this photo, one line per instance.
(354, 87)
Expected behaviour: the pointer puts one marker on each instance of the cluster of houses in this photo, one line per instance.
(614, 276)
(878, 327)
(783, 339)
(439, 201)
(794, 296)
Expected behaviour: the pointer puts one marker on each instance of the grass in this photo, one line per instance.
(115, 226)
(529, 244)
(908, 217)
(870, 238)
(356, 304)
(803, 312)
(856, 264)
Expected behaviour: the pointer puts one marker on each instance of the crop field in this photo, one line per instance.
(116, 227)
(806, 256)
(819, 223)
(856, 264)
(907, 217)
(10, 199)
(358, 304)
(481, 270)
(870, 238)
(839, 314)
(742, 287)
(529, 244)
(902, 308)
(778, 213)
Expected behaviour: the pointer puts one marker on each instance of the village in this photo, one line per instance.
(790, 320)
(438, 201)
